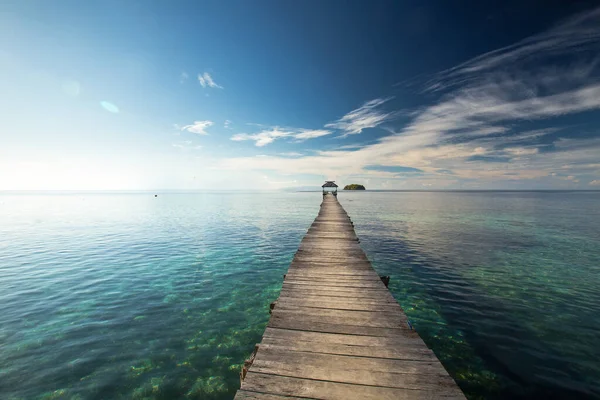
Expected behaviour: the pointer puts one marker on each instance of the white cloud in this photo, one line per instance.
(263, 137)
(227, 124)
(269, 135)
(521, 151)
(198, 127)
(366, 116)
(595, 182)
(207, 81)
(304, 134)
(183, 77)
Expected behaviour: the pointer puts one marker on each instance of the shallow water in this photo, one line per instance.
(108, 296)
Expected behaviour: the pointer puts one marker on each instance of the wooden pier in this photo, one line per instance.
(336, 332)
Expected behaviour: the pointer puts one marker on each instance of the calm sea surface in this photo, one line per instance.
(128, 296)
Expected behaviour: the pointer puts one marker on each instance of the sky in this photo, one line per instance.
(196, 95)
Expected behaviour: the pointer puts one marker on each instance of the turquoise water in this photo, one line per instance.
(110, 296)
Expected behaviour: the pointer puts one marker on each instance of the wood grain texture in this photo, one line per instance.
(337, 333)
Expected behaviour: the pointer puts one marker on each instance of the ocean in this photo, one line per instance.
(132, 296)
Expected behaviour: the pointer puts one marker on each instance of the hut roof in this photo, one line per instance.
(329, 184)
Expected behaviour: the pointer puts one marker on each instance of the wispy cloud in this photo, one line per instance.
(186, 145)
(366, 116)
(207, 81)
(198, 127)
(183, 77)
(303, 134)
(595, 182)
(578, 33)
(227, 124)
(571, 178)
(269, 135)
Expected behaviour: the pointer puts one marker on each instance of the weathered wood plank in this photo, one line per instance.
(335, 263)
(380, 319)
(324, 390)
(317, 272)
(318, 324)
(361, 295)
(342, 289)
(332, 283)
(354, 340)
(313, 291)
(245, 395)
(405, 374)
(293, 297)
(332, 266)
(335, 280)
(326, 258)
(396, 353)
(317, 302)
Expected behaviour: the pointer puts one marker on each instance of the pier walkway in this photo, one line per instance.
(336, 332)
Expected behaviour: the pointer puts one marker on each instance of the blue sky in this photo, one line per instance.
(141, 95)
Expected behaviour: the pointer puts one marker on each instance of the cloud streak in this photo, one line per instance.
(366, 116)
(207, 81)
(198, 127)
(269, 135)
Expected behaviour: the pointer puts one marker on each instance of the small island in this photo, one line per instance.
(354, 186)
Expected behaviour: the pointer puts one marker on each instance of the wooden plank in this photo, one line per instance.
(363, 295)
(293, 297)
(333, 283)
(317, 302)
(346, 273)
(337, 291)
(357, 293)
(322, 271)
(332, 263)
(318, 324)
(338, 244)
(245, 395)
(336, 332)
(354, 340)
(335, 263)
(397, 353)
(294, 276)
(357, 370)
(381, 319)
(329, 257)
(333, 289)
(334, 235)
(324, 390)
